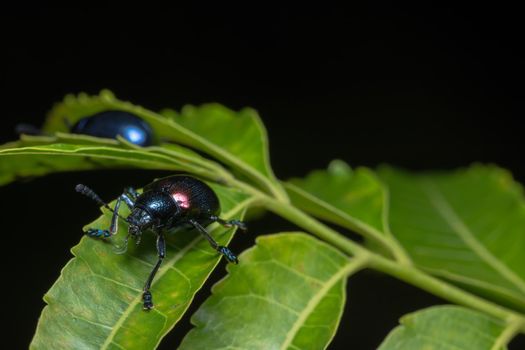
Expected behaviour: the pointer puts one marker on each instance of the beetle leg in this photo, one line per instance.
(229, 223)
(161, 252)
(97, 233)
(113, 228)
(228, 254)
(130, 202)
(114, 219)
(132, 193)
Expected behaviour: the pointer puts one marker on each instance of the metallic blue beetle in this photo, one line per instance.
(107, 124)
(167, 203)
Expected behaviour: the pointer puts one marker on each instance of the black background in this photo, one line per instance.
(415, 86)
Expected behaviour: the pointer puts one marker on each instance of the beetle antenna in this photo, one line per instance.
(88, 192)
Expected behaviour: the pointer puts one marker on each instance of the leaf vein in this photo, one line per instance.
(460, 228)
(260, 297)
(94, 323)
(354, 265)
(289, 269)
(109, 279)
(118, 345)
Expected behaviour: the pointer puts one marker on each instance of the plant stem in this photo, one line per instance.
(403, 272)
(442, 289)
(288, 211)
(384, 239)
(307, 222)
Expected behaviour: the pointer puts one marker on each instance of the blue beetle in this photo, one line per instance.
(167, 203)
(107, 124)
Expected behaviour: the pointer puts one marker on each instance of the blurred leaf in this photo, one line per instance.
(96, 302)
(340, 195)
(236, 138)
(287, 292)
(39, 155)
(466, 226)
(354, 199)
(45, 159)
(449, 327)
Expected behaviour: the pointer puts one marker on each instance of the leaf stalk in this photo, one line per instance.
(399, 270)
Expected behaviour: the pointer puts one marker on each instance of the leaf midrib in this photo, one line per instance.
(37, 150)
(445, 210)
(124, 316)
(352, 266)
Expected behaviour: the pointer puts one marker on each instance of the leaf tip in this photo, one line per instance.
(107, 95)
(339, 167)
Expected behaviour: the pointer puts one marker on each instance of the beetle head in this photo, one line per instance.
(139, 220)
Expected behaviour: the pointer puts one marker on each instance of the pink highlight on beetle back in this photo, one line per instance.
(181, 199)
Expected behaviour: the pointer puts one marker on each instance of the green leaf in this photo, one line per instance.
(286, 293)
(236, 138)
(449, 327)
(45, 159)
(354, 199)
(96, 302)
(465, 226)
(32, 156)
